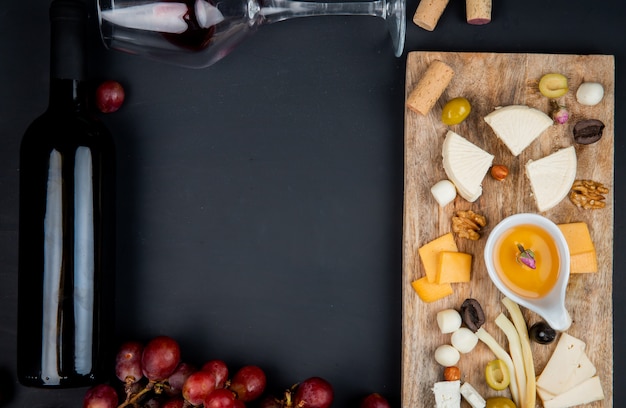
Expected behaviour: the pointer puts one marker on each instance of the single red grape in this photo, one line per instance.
(314, 392)
(220, 398)
(374, 400)
(109, 96)
(100, 396)
(198, 386)
(178, 378)
(249, 383)
(160, 358)
(128, 362)
(219, 370)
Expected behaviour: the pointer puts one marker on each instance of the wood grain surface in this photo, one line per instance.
(489, 80)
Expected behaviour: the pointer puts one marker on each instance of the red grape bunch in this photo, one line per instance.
(155, 376)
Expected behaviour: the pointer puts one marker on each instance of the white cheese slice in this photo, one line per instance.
(582, 372)
(518, 125)
(561, 364)
(551, 177)
(472, 396)
(447, 394)
(465, 164)
(588, 391)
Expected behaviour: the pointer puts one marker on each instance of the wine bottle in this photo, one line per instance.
(66, 224)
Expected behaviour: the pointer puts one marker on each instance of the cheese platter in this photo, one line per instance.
(534, 169)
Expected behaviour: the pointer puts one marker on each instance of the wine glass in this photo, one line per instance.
(197, 33)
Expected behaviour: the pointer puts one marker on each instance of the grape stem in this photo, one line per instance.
(288, 402)
(132, 399)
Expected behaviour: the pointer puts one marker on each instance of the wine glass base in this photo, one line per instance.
(396, 24)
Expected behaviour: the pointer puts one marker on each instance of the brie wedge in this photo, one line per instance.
(551, 177)
(518, 125)
(465, 164)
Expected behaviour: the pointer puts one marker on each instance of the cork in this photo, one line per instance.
(430, 87)
(428, 13)
(478, 11)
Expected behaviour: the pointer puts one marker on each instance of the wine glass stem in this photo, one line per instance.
(278, 10)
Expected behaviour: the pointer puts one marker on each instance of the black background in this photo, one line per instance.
(260, 200)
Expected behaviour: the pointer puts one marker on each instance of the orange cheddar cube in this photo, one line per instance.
(429, 292)
(454, 267)
(429, 254)
(585, 262)
(583, 257)
(577, 236)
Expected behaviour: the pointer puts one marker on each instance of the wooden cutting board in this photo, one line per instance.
(489, 80)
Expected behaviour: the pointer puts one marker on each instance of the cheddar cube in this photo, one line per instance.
(583, 257)
(429, 254)
(577, 236)
(454, 267)
(429, 292)
(585, 262)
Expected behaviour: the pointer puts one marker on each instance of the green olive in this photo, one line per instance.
(497, 375)
(553, 85)
(500, 402)
(455, 111)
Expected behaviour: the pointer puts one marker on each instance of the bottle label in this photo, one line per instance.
(83, 273)
(83, 260)
(53, 256)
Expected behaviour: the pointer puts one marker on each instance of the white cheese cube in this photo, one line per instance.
(447, 394)
(444, 192)
(472, 396)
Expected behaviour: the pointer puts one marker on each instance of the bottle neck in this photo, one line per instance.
(67, 55)
(67, 95)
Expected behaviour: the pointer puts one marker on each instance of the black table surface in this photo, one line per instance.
(260, 200)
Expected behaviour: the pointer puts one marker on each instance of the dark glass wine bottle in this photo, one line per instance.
(66, 224)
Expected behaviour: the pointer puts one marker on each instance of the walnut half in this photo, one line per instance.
(588, 194)
(467, 224)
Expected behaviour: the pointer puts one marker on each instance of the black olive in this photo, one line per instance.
(542, 333)
(472, 314)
